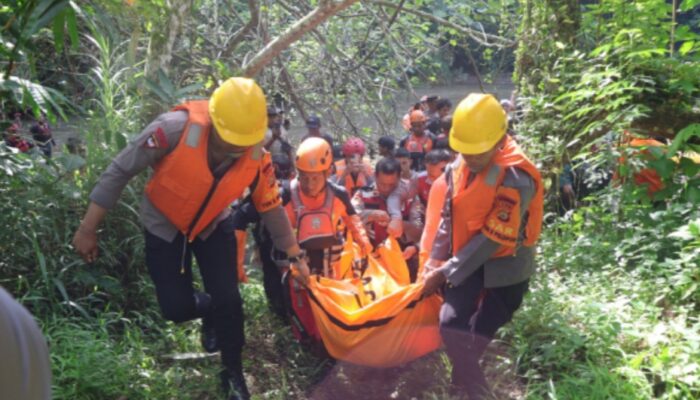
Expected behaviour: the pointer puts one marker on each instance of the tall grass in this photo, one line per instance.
(613, 312)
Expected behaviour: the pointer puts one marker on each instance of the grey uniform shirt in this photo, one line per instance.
(141, 153)
(498, 272)
(25, 370)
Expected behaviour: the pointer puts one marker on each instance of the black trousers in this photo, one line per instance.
(469, 318)
(216, 257)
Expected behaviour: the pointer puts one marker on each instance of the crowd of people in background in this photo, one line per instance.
(27, 133)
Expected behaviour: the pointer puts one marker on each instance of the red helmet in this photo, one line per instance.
(353, 146)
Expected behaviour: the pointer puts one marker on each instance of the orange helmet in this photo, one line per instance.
(417, 116)
(314, 155)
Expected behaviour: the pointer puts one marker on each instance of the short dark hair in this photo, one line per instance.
(442, 103)
(437, 156)
(387, 141)
(442, 144)
(446, 123)
(388, 166)
(401, 152)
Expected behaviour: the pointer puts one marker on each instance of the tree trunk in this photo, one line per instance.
(237, 37)
(160, 48)
(325, 10)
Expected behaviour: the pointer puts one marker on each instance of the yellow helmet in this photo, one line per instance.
(239, 111)
(478, 123)
(314, 155)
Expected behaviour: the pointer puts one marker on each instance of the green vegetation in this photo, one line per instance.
(614, 312)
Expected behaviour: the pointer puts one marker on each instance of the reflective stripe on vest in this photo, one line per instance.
(183, 188)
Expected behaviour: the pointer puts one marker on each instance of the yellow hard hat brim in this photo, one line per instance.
(237, 139)
(472, 148)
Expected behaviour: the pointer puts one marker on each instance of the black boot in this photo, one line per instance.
(234, 386)
(208, 337)
(467, 374)
(202, 303)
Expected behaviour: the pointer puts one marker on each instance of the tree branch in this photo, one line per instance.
(479, 36)
(240, 34)
(287, 80)
(325, 10)
(379, 42)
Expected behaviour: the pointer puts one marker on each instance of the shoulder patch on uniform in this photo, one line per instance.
(156, 140)
(194, 132)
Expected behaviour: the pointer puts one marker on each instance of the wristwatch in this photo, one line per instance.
(294, 259)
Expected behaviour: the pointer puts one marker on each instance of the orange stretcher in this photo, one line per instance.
(377, 320)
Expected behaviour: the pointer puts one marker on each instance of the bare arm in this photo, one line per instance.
(85, 238)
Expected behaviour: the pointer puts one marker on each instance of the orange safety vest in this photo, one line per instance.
(416, 144)
(316, 227)
(352, 184)
(183, 188)
(646, 176)
(433, 214)
(488, 207)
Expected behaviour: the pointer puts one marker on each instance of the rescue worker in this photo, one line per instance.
(204, 155)
(319, 210)
(313, 125)
(639, 148)
(419, 141)
(353, 172)
(276, 141)
(379, 205)
(406, 119)
(484, 248)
